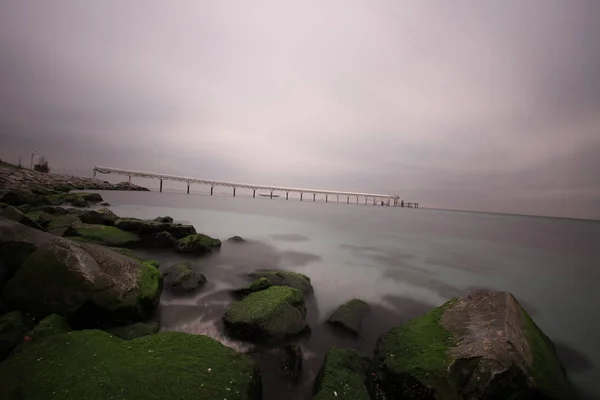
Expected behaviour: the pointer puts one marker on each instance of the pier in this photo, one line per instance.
(272, 191)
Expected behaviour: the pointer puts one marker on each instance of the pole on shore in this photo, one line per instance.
(160, 186)
(188, 188)
(301, 196)
(253, 193)
(314, 197)
(234, 192)
(211, 190)
(287, 194)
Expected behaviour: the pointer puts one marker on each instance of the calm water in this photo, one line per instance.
(402, 261)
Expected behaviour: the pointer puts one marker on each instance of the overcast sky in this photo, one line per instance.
(481, 105)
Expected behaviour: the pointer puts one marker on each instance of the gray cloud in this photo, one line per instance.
(479, 105)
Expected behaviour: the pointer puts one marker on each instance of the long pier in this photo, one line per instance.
(375, 198)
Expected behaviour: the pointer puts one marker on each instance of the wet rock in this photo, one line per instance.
(166, 220)
(180, 231)
(41, 218)
(136, 330)
(106, 235)
(256, 286)
(102, 216)
(79, 202)
(343, 376)
(91, 197)
(181, 278)
(16, 215)
(13, 328)
(105, 204)
(236, 239)
(20, 196)
(85, 283)
(285, 278)
(292, 362)
(482, 346)
(52, 325)
(349, 316)
(273, 313)
(54, 210)
(97, 365)
(64, 225)
(197, 244)
(163, 240)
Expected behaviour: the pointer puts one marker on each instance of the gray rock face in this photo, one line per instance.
(165, 220)
(102, 216)
(82, 281)
(279, 277)
(349, 316)
(181, 278)
(197, 244)
(92, 197)
(19, 196)
(343, 376)
(481, 346)
(16, 215)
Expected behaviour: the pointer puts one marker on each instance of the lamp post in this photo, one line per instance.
(32, 156)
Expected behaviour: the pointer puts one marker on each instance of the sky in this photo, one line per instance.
(476, 105)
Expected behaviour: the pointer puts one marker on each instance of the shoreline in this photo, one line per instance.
(89, 227)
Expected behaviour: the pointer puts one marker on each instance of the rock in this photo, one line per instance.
(106, 235)
(236, 239)
(24, 208)
(292, 362)
(54, 210)
(273, 313)
(53, 324)
(197, 244)
(16, 215)
(13, 328)
(181, 231)
(349, 316)
(64, 225)
(79, 202)
(105, 204)
(86, 283)
(43, 219)
(483, 345)
(256, 286)
(95, 365)
(166, 220)
(21, 196)
(102, 216)
(163, 240)
(91, 197)
(136, 330)
(180, 278)
(343, 376)
(285, 278)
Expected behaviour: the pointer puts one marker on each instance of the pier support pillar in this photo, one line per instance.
(188, 189)
(373, 201)
(211, 190)
(356, 199)
(326, 198)
(233, 192)
(314, 197)
(271, 195)
(366, 198)
(338, 198)
(253, 193)
(301, 196)
(94, 173)
(287, 194)
(161, 185)
(347, 199)
(130, 179)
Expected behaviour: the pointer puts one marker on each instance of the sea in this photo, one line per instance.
(401, 261)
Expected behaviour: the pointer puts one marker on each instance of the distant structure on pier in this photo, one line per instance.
(375, 198)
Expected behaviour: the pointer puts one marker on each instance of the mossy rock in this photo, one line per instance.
(53, 324)
(197, 244)
(101, 216)
(349, 316)
(236, 239)
(91, 197)
(64, 225)
(181, 278)
(41, 218)
(152, 228)
(54, 210)
(285, 278)
(95, 365)
(79, 202)
(483, 345)
(16, 215)
(131, 254)
(21, 196)
(136, 330)
(13, 328)
(342, 377)
(256, 286)
(106, 235)
(166, 219)
(273, 313)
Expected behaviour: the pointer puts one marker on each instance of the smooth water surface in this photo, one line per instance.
(402, 261)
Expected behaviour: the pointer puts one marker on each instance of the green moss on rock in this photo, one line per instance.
(272, 313)
(106, 235)
(349, 316)
(102, 216)
(256, 286)
(13, 328)
(136, 330)
(64, 225)
(181, 278)
(342, 376)
(285, 278)
(53, 324)
(94, 365)
(197, 244)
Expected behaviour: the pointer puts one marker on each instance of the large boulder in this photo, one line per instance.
(181, 278)
(136, 330)
(91, 285)
(256, 286)
(91, 197)
(64, 225)
(349, 316)
(197, 244)
(151, 228)
(95, 365)
(285, 278)
(106, 235)
(273, 313)
(41, 218)
(102, 216)
(482, 346)
(21, 196)
(342, 376)
(53, 324)
(79, 202)
(163, 240)
(13, 328)
(13, 213)
(165, 220)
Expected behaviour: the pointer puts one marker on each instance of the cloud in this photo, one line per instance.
(486, 106)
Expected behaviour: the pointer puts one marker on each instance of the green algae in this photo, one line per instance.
(53, 324)
(106, 235)
(349, 316)
(197, 243)
(285, 278)
(136, 330)
(342, 376)
(94, 365)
